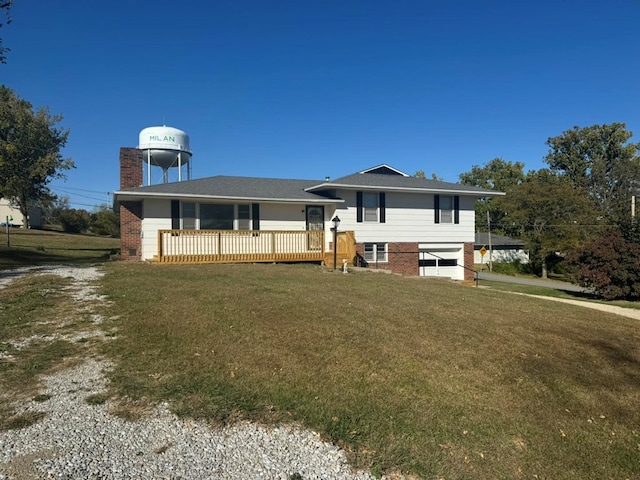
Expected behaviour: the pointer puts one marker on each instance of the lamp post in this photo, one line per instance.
(336, 222)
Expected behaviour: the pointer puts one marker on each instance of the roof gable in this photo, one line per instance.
(384, 169)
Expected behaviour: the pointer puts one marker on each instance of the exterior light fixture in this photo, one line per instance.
(336, 222)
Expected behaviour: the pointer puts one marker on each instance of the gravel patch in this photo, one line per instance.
(79, 440)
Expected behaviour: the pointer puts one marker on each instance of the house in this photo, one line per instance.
(393, 221)
(503, 249)
(15, 218)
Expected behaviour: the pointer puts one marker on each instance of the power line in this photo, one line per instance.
(79, 189)
(81, 195)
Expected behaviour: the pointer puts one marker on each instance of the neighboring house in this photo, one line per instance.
(404, 224)
(503, 249)
(8, 212)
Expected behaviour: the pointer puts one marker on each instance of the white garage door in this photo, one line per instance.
(440, 263)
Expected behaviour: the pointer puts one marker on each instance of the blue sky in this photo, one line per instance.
(308, 89)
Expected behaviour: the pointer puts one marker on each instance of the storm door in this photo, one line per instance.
(315, 222)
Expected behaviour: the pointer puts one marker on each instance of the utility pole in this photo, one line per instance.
(633, 209)
(9, 219)
(490, 247)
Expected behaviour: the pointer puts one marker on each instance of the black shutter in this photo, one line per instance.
(436, 208)
(255, 215)
(456, 209)
(175, 214)
(359, 207)
(383, 213)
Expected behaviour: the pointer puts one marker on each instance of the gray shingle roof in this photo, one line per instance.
(482, 239)
(292, 190)
(234, 187)
(374, 180)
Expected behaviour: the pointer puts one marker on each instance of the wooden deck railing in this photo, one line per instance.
(231, 246)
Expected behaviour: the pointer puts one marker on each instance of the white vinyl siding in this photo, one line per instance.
(156, 216)
(286, 217)
(409, 218)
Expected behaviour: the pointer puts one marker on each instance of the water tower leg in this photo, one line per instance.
(179, 166)
(148, 167)
(165, 175)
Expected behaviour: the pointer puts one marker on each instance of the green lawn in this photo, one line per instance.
(425, 376)
(26, 247)
(419, 375)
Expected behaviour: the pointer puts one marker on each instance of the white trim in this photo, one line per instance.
(403, 189)
(174, 196)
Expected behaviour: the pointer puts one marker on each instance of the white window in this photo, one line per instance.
(375, 252)
(188, 216)
(244, 217)
(370, 205)
(446, 209)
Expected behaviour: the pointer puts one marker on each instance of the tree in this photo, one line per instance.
(53, 207)
(610, 265)
(5, 5)
(599, 160)
(550, 215)
(498, 175)
(30, 144)
(105, 221)
(421, 174)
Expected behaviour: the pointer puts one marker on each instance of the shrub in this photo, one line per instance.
(105, 221)
(74, 221)
(512, 268)
(610, 265)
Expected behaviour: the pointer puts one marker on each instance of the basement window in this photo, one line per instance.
(375, 252)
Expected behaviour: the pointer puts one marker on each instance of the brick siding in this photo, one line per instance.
(469, 273)
(131, 230)
(401, 258)
(130, 212)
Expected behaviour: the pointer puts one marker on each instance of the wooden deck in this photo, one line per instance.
(237, 246)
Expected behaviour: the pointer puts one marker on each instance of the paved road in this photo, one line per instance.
(567, 287)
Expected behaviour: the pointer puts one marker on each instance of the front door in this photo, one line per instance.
(315, 222)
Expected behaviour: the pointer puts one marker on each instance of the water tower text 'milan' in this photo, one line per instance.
(167, 148)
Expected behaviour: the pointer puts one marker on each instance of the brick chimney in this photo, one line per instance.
(130, 211)
(130, 168)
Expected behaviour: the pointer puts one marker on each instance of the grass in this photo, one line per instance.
(38, 247)
(420, 375)
(30, 342)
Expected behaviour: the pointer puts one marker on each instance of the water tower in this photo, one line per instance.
(167, 148)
